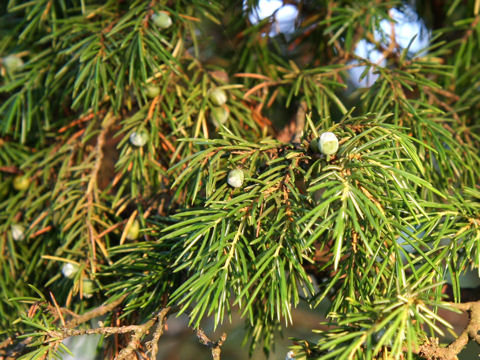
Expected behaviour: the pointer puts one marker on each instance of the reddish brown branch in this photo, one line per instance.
(152, 345)
(432, 351)
(214, 345)
(99, 311)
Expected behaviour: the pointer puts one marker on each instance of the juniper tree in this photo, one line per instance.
(167, 157)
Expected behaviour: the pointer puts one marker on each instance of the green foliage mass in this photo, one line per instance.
(375, 228)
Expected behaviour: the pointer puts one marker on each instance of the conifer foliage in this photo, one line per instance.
(164, 157)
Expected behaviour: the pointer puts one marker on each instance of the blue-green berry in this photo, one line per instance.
(218, 97)
(88, 288)
(18, 232)
(162, 20)
(139, 138)
(152, 90)
(12, 63)
(133, 230)
(235, 178)
(69, 270)
(328, 143)
(219, 115)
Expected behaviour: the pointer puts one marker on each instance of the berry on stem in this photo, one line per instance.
(87, 288)
(18, 232)
(139, 138)
(12, 63)
(133, 230)
(152, 90)
(218, 97)
(21, 182)
(69, 270)
(219, 115)
(162, 20)
(328, 143)
(235, 178)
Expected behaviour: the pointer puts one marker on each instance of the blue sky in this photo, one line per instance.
(407, 26)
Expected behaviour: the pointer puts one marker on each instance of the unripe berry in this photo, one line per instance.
(235, 178)
(87, 287)
(152, 90)
(12, 63)
(21, 182)
(18, 232)
(328, 143)
(69, 270)
(162, 20)
(139, 138)
(133, 231)
(218, 97)
(219, 115)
